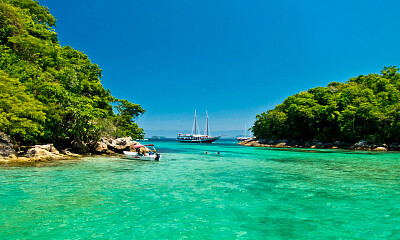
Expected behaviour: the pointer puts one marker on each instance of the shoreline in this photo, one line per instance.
(17, 161)
(49, 153)
(314, 144)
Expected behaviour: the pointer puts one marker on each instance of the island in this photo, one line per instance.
(362, 113)
(51, 95)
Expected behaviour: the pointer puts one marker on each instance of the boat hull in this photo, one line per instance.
(147, 157)
(205, 140)
(241, 139)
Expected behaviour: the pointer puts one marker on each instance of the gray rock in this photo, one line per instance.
(6, 147)
(123, 141)
(100, 147)
(109, 145)
(319, 144)
(361, 143)
(124, 144)
(79, 147)
(43, 152)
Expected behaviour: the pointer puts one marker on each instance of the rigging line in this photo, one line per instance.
(194, 123)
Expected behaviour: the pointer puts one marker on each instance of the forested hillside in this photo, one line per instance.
(365, 107)
(50, 93)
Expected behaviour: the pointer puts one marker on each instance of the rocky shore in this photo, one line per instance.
(10, 154)
(361, 145)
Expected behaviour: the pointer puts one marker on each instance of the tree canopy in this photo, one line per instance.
(365, 107)
(49, 92)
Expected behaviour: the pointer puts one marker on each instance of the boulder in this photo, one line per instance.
(360, 144)
(120, 148)
(394, 146)
(319, 144)
(254, 144)
(100, 147)
(281, 144)
(244, 143)
(262, 141)
(79, 147)
(124, 144)
(42, 152)
(123, 141)
(69, 154)
(109, 145)
(380, 149)
(6, 147)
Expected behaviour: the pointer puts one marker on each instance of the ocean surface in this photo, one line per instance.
(241, 193)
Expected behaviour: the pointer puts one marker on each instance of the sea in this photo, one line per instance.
(240, 193)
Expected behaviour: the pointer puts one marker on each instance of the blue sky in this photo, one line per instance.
(233, 58)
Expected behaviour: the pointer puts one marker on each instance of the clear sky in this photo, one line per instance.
(233, 58)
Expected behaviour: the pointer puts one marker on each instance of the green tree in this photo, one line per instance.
(63, 84)
(127, 113)
(365, 107)
(21, 116)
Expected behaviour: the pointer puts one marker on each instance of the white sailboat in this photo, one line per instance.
(197, 138)
(244, 137)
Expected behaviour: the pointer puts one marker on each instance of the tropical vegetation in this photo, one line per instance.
(366, 107)
(49, 92)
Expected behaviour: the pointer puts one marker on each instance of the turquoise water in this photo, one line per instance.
(242, 193)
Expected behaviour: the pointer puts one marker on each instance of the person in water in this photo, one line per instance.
(210, 153)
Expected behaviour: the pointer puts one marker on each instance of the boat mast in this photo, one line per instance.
(194, 123)
(207, 121)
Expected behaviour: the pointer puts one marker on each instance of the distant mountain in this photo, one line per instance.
(173, 133)
(158, 137)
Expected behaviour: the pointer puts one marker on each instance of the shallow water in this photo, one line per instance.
(242, 193)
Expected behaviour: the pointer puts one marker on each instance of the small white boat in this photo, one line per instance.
(150, 155)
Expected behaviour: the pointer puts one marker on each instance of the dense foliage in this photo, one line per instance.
(50, 93)
(365, 107)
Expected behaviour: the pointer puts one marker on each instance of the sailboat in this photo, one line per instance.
(197, 138)
(244, 137)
